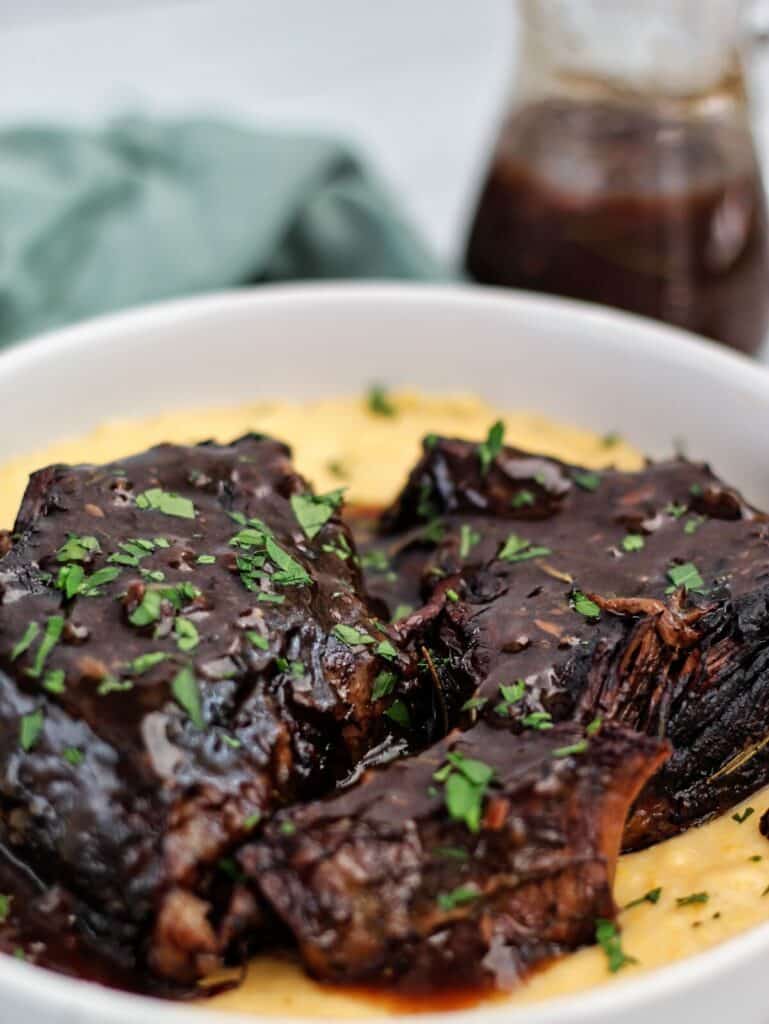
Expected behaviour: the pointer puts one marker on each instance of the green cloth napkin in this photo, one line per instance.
(143, 210)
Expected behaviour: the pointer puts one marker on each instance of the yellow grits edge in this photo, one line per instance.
(340, 442)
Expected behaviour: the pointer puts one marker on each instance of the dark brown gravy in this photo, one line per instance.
(662, 217)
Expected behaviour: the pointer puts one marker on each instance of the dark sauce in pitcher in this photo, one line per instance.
(660, 216)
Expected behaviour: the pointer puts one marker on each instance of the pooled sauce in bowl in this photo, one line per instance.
(690, 892)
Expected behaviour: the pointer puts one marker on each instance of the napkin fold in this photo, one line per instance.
(94, 221)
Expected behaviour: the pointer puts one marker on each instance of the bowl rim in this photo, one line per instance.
(110, 1006)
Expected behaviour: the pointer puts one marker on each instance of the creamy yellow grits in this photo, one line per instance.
(340, 442)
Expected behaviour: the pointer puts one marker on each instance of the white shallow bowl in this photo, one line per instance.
(594, 367)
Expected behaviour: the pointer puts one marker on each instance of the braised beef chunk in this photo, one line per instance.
(184, 646)
(551, 592)
(465, 866)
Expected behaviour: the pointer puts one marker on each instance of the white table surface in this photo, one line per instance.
(418, 85)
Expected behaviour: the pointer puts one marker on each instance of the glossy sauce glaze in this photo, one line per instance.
(727, 859)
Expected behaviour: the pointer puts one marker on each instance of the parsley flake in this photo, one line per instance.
(73, 756)
(383, 685)
(457, 897)
(491, 447)
(257, 640)
(378, 402)
(510, 695)
(5, 907)
(585, 606)
(77, 548)
(573, 748)
(30, 729)
(53, 630)
(399, 713)
(468, 538)
(633, 542)
(587, 481)
(686, 576)
(652, 896)
(29, 637)
(158, 500)
(187, 636)
(351, 636)
(608, 938)
(523, 499)
(692, 898)
(185, 690)
(313, 511)
(465, 783)
(145, 662)
(518, 549)
(539, 720)
(740, 818)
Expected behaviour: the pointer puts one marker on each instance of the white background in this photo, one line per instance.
(418, 85)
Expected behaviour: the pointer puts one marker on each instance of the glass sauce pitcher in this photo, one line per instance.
(626, 172)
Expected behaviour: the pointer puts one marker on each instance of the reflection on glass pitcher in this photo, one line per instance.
(626, 172)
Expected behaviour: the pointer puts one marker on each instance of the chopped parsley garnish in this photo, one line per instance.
(73, 756)
(633, 542)
(457, 897)
(185, 690)
(313, 511)
(145, 662)
(584, 605)
(148, 610)
(465, 783)
(510, 695)
(267, 598)
(611, 440)
(474, 704)
(675, 510)
(51, 636)
(30, 729)
(399, 713)
(385, 649)
(378, 401)
(383, 685)
(652, 896)
(452, 595)
(692, 898)
(74, 582)
(696, 490)
(573, 748)
(187, 636)
(491, 447)
(587, 481)
(29, 637)
(351, 636)
(686, 576)
(110, 684)
(54, 680)
(287, 828)
(252, 821)
(257, 640)
(468, 538)
(5, 907)
(539, 720)
(518, 549)
(131, 552)
(232, 741)
(77, 548)
(523, 499)
(609, 939)
(401, 611)
(205, 560)
(289, 572)
(740, 818)
(693, 524)
(158, 500)
(593, 727)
